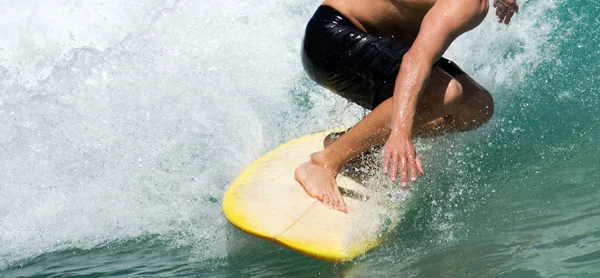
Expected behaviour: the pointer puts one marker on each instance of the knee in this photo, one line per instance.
(479, 109)
(476, 108)
(485, 106)
(454, 94)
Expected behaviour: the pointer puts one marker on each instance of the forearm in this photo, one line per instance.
(410, 83)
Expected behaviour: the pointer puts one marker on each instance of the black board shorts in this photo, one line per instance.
(358, 66)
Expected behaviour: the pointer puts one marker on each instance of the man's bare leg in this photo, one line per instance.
(442, 97)
(476, 108)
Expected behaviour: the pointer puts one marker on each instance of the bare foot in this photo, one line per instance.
(359, 164)
(319, 182)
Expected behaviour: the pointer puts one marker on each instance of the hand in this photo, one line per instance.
(505, 9)
(400, 152)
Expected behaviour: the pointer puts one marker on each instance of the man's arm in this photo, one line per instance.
(446, 20)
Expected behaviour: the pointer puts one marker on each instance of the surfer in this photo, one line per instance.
(386, 55)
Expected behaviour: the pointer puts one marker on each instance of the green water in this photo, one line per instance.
(515, 198)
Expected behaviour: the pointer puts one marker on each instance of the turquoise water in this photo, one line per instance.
(122, 123)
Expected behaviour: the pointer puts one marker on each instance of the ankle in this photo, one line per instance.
(325, 160)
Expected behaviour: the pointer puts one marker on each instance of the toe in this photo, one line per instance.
(335, 202)
(332, 201)
(320, 196)
(341, 205)
(326, 201)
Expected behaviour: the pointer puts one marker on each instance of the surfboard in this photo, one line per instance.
(266, 201)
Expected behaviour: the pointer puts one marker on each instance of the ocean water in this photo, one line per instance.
(123, 122)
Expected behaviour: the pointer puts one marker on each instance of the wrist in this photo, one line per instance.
(401, 131)
(401, 128)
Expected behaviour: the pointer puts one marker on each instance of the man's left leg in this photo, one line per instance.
(475, 109)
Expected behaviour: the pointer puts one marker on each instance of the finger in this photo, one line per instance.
(413, 167)
(386, 161)
(495, 3)
(403, 171)
(498, 10)
(509, 15)
(516, 7)
(394, 173)
(502, 13)
(419, 165)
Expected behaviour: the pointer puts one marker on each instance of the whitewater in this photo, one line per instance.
(122, 123)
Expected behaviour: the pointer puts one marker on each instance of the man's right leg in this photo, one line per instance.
(440, 98)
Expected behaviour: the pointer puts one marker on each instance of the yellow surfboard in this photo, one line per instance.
(266, 201)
